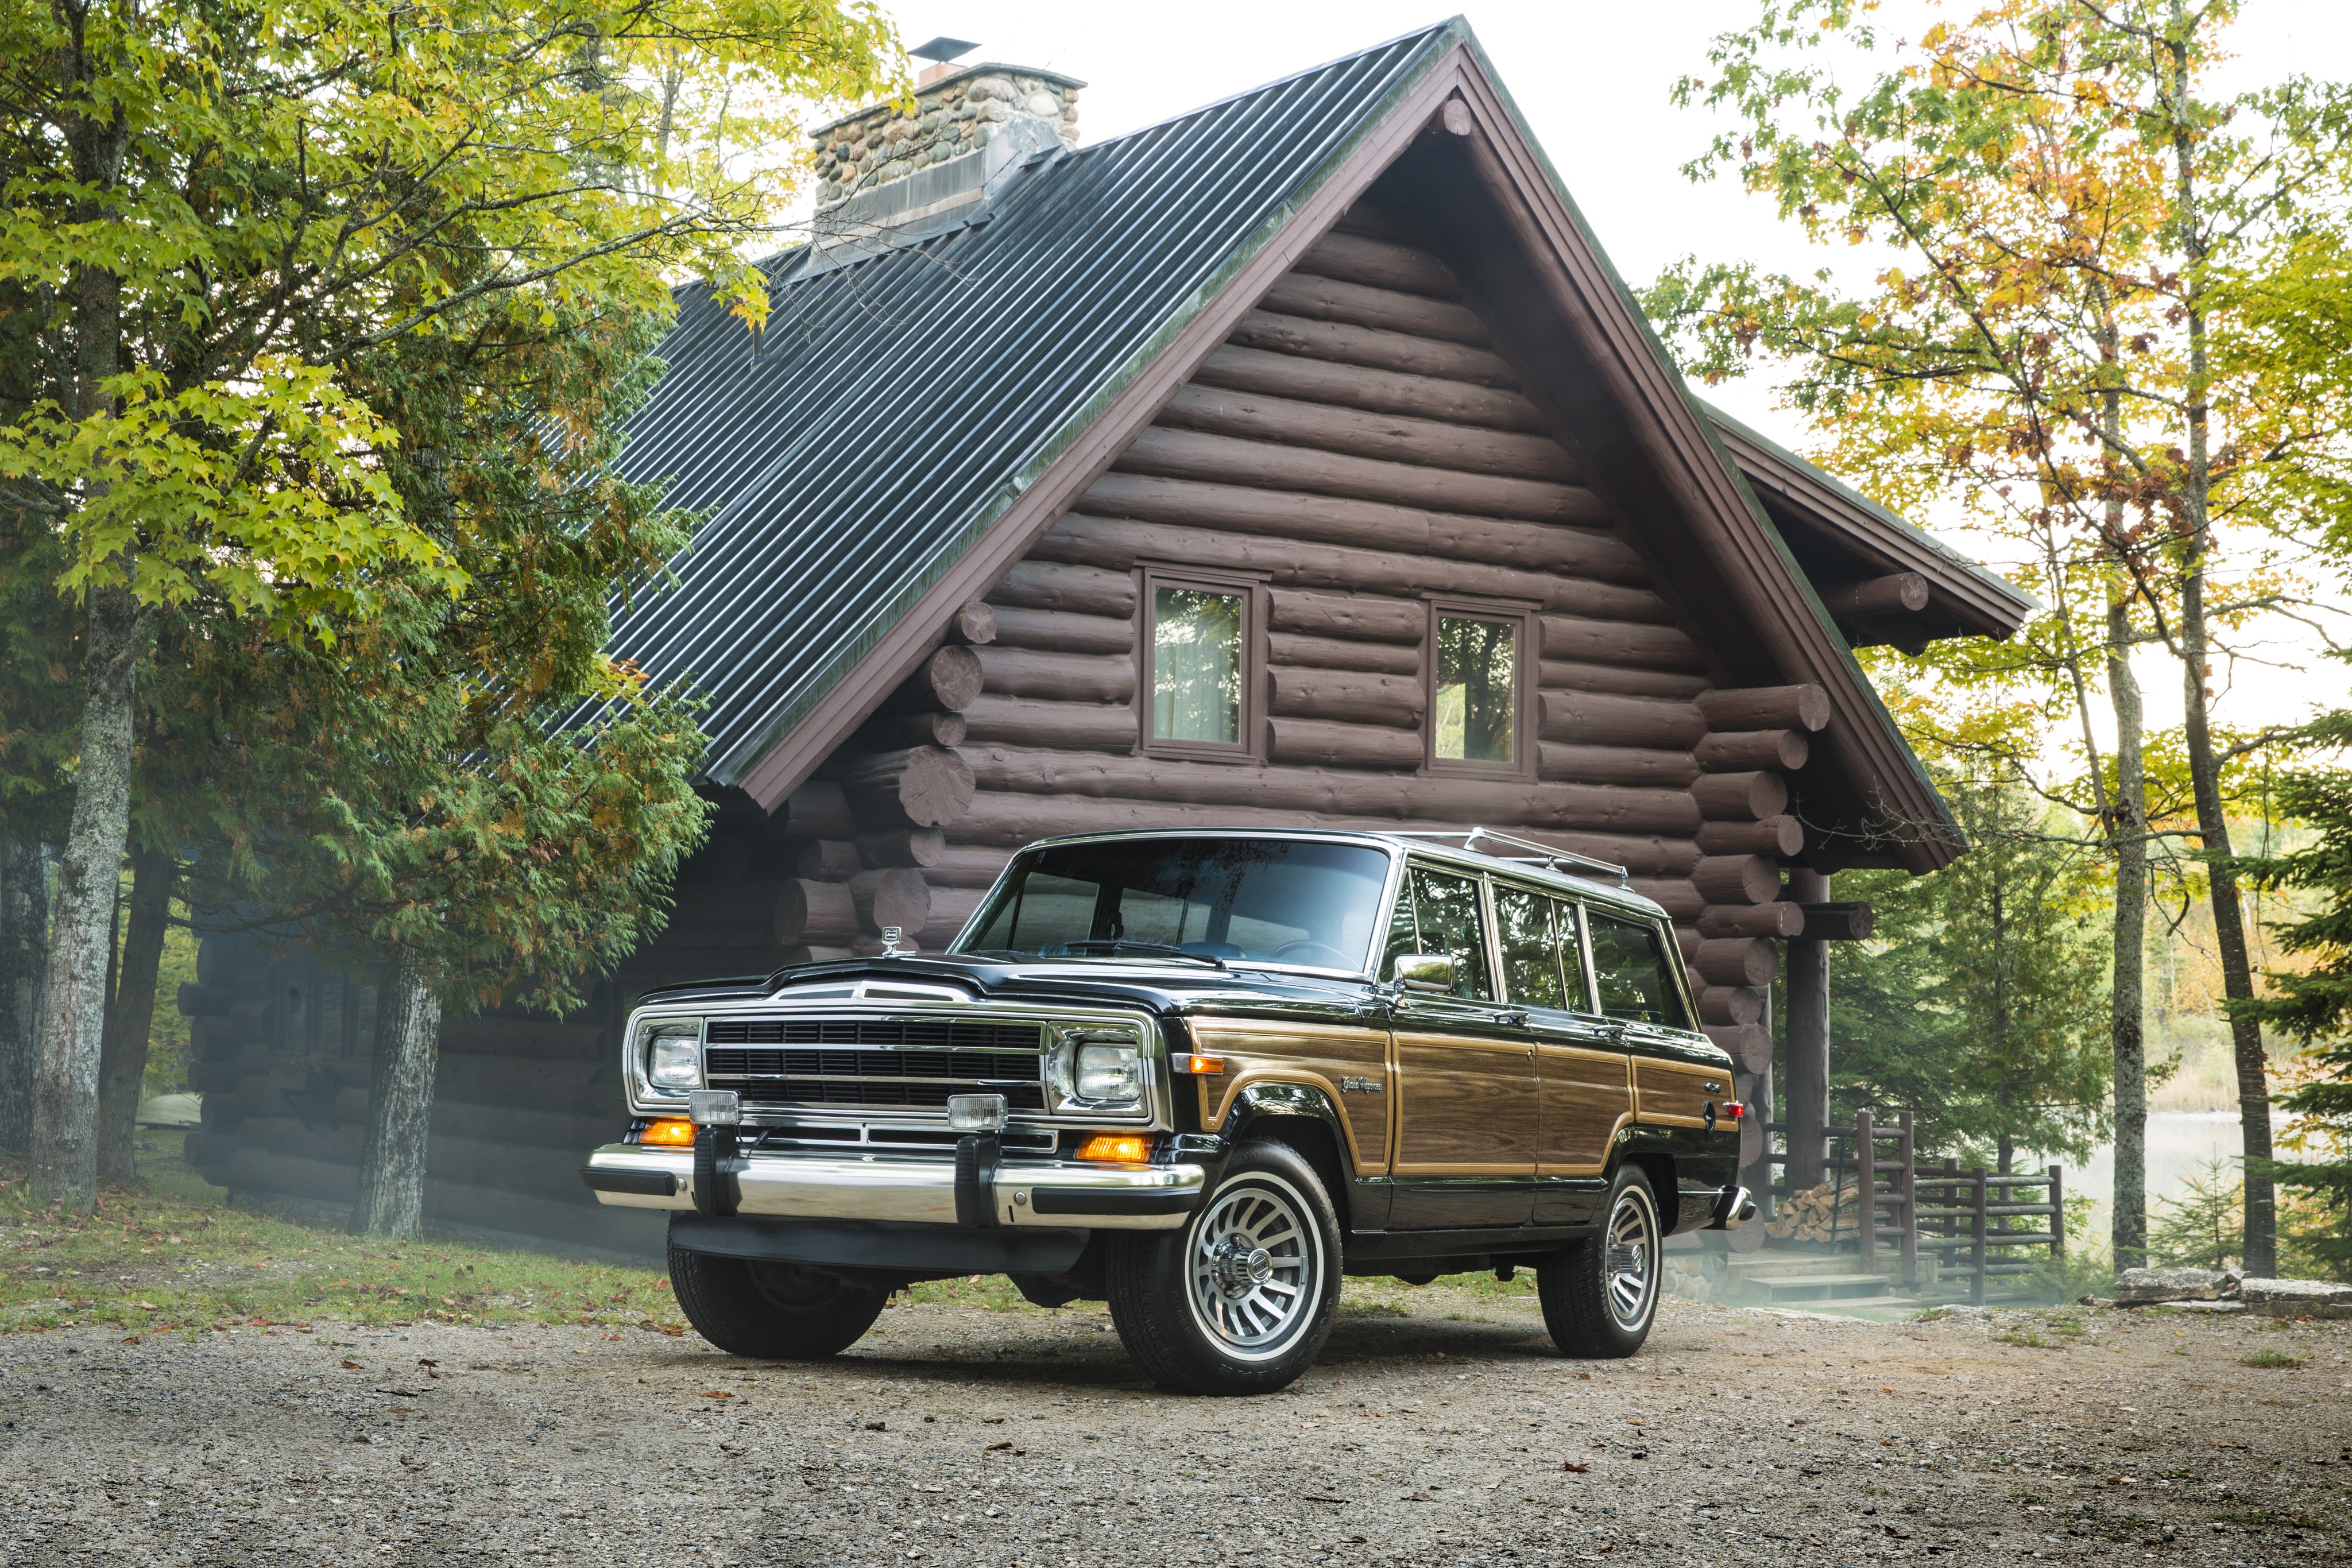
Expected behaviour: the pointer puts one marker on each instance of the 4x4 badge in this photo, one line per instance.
(1352, 1085)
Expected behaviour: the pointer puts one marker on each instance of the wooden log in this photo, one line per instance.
(1358, 386)
(817, 811)
(893, 731)
(1605, 718)
(1290, 563)
(1779, 836)
(1740, 797)
(1737, 879)
(1344, 342)
(1898, 593)
(1062, 631)
(1779, 918)
(1390, 309)
(966, 865)
(1617, 765)
(1334, 653)
(1839, 922)
(1674, 895)
(1749, 1045)
(1381, 264)
(814, 912)
(1584, 640)
(1561, 675)
(1391, 437)
(1060, 677)
(894, 895)
(1022, 721)
(823, 860)
(231, 961)
(1231, 460)
(197, 1000)
(1010, 818)
(1054, 585)
(1317, 743)
(923, 786)
(1736, 961)
(1353, 617)
(1351, 697)
(974, 622)
(901, 847)
(1805, 708)
(1384, 525)
(1731, 1004)
(1785, 749)
(946, 682)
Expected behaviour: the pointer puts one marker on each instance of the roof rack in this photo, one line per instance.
(1558, 860)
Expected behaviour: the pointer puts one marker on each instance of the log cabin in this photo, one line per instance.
(1298, 460)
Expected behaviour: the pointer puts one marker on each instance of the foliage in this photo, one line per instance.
(2205, 1228)
(1980, 1003)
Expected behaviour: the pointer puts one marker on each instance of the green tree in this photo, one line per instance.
(218, 208)
(1980, 1003)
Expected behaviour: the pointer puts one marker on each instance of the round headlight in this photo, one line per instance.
(672, 1054)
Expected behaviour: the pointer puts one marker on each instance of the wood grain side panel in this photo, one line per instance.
(1586, 1096)
(1672, 1093)
(1465, 1106)
(1326, 1056)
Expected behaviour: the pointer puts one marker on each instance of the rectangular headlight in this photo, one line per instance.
(671, 1053)
(1109, 1072)
(1097, 1065)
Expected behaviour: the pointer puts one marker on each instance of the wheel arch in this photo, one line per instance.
(1301, 1117)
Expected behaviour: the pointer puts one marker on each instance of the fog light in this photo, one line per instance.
(668, 1134)
(1116, 1149)
(715, 1108)
(976, 1112)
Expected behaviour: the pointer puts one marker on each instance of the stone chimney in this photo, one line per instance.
(883, 172)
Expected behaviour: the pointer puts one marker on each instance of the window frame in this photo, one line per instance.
(1520, 616)
(1661, 932)
(1150, 578)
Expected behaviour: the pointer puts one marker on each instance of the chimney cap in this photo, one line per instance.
(943, 50)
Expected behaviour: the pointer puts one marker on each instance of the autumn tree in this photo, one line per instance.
(2061, 224)
(218, 208)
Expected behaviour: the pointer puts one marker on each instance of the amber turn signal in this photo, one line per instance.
(668, 1134)
(1205, 1066)
(1116, 1149)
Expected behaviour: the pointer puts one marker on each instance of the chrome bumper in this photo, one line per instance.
(919, 1189)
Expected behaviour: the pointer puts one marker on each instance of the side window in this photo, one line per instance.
(1529, 925)
(1402, 935)
(1451, 921)
(1632, 972)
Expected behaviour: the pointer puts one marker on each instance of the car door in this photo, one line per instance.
(1634, 981)
(1465, 1075)
(1582, 1088)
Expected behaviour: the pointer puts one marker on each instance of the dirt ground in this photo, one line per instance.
(1438, 1430)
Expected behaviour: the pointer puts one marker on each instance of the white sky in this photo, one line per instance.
(1592, 79)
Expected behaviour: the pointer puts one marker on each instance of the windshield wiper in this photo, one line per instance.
(1120, 945)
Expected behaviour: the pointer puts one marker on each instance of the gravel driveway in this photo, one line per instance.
(1438, 1429)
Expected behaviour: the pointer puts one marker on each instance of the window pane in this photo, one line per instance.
(1196, 666)
(1402, 935)
(1478, 708)
(1451, 922)
(1632, 972)
(1572, 960)
(1530, 951)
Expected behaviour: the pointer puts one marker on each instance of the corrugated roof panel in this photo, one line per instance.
(899, 404)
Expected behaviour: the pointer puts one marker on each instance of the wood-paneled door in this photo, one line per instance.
(1583, 1089)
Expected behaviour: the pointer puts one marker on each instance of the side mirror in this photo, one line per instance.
(1432, 972)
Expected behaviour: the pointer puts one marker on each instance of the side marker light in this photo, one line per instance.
(1116, 1149)
(667, 1134)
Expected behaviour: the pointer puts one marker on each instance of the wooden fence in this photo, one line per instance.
(1973, 1217)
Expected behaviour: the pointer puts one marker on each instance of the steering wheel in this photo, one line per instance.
(1331, 957)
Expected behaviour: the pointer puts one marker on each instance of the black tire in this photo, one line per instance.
(770, 1312)
(1601, 1296)
(1240, 1299)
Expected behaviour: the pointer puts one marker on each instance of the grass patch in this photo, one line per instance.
(168, 1253)
(2272, 1358)
(990, 1292)
(1485, 1286)
(2027, 1339)
(1369, 1307)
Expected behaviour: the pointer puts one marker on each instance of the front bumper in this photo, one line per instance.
(910, 1188)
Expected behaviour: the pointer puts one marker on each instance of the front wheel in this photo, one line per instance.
(1241, 1298)
(1600, 1295)
(770, 1312)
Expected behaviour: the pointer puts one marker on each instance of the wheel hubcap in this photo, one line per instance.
(1627, 1266)
(1254, 1270)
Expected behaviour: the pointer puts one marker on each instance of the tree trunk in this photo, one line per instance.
(2128, 1013)
(24, 942)
(391, 1196)
(122, 1063)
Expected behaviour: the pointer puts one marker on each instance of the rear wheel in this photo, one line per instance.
(1600, 1295)
(1240, 1300)
(772, 1312)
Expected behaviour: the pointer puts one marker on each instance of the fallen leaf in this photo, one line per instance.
(1417, 1497)
(1310, 1497)
(350, 1366)
(1574, 1469)
(722, 1394)
(426, 1361)
(877, 1425)
(996, 1448)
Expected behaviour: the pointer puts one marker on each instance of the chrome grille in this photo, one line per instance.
(881, 1063)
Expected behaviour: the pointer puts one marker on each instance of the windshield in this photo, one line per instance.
(1276, 901)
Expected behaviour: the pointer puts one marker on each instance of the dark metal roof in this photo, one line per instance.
(897, 406)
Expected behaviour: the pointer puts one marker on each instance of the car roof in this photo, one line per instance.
(1420, 847)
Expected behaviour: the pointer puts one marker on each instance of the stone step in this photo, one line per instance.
(1839, 1287)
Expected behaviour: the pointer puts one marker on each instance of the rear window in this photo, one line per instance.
(1632, 972)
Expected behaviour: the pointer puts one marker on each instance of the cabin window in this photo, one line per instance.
(1632, 973)
(1479, 688)
(1197, 657)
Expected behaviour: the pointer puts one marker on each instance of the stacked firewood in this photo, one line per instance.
(1809, 1216)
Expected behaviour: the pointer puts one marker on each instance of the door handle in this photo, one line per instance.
(1514, 1018)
